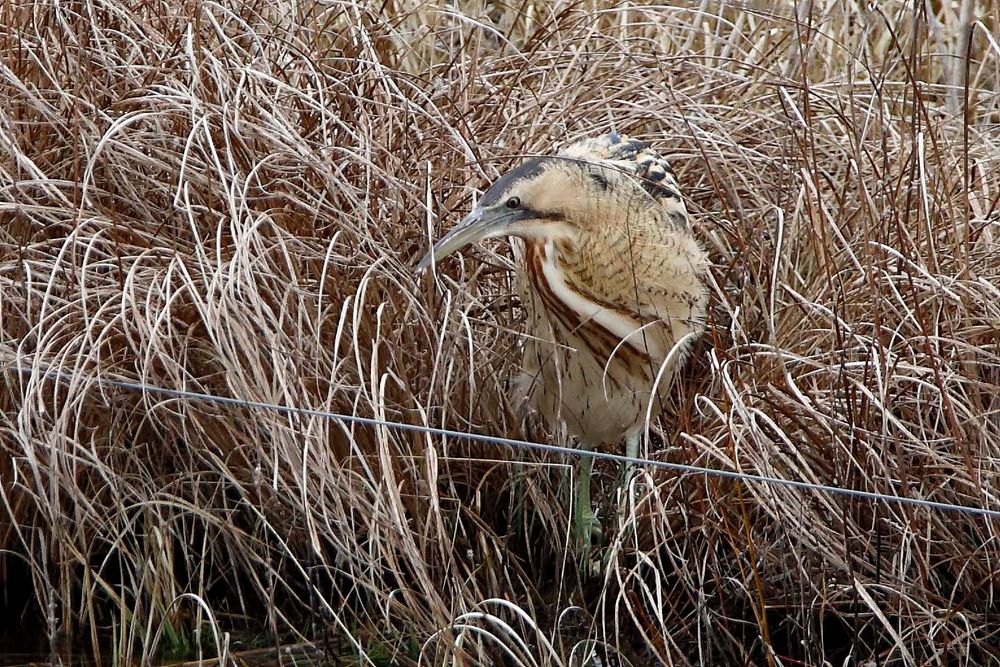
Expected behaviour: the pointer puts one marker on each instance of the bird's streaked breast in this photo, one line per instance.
(599, 326)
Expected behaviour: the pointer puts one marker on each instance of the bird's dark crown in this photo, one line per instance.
(524, 171)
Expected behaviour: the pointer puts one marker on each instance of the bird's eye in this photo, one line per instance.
(513, 202)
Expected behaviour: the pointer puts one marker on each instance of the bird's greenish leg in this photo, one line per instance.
(627, 473)
(631, 451)
(632, 446)
(585, 524)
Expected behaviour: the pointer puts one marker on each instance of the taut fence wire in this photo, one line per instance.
(59, 376)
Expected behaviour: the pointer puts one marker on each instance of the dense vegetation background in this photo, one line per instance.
(228, 197)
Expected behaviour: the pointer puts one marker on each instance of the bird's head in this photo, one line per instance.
(543, 198)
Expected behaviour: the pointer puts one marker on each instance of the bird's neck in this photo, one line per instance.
(569, 297)
(574, 248)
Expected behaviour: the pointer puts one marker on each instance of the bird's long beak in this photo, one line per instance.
(480, 224)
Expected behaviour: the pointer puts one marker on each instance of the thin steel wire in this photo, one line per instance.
(60, 376)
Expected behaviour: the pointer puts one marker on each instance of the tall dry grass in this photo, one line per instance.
(228, 198)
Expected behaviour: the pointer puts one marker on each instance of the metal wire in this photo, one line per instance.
(60, 376)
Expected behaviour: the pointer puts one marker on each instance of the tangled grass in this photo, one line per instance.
(228, 198)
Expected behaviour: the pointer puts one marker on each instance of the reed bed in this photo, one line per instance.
(228, 198)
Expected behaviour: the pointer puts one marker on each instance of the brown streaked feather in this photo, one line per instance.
(604, 345)
(611, 279)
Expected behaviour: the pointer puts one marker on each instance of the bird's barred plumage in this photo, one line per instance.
(611, 280)
(605, 309)
(652, 170)
(604, 329)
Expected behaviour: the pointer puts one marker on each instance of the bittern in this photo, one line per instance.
(612, 282)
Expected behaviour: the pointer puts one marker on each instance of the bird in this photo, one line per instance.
(613, 283)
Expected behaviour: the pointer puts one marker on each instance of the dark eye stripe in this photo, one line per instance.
(551, 216)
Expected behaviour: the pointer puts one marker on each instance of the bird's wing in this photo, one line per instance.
(637, 158)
